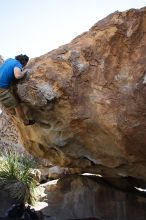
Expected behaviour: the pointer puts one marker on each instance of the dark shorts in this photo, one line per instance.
(8, 99)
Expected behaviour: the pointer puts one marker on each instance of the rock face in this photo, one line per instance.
(9, 135)
(6, 202)
(80, 197)
(89, 99)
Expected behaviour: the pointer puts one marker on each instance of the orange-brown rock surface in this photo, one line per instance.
(88, 98)
(80, 197)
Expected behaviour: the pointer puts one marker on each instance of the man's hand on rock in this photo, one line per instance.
(26, 73)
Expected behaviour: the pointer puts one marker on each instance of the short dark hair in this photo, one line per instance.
(23, 59)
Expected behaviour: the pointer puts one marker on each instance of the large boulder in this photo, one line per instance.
(88, 98)
(81, 197)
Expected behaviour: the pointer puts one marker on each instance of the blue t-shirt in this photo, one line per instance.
(7, 72)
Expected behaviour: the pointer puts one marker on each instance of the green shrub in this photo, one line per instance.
(15, 177)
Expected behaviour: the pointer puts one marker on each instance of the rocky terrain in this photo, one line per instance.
(88, 98)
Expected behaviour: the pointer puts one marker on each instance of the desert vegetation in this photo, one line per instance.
(15, 177)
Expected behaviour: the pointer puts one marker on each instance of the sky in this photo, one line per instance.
(35, 27)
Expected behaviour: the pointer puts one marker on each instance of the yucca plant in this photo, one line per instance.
(15, 177)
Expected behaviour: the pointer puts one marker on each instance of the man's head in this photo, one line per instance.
(23, 59)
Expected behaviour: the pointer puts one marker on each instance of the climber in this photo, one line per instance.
(10, 72)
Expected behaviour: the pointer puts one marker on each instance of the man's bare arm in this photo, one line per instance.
(18, 73)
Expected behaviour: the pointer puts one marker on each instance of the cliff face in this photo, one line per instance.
(9, 135)
(89, 99)
(74, 198)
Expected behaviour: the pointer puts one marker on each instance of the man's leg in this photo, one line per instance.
(13, 106)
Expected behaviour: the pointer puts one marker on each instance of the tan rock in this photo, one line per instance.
(80, 197)
(57, 172)
(89, 99)
(10, 138)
